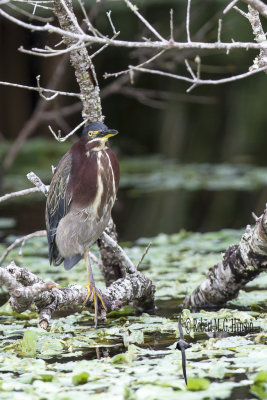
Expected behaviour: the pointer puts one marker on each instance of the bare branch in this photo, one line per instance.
(26, 289)
(33, 178)
(23, 192)
(241, 12)
(160, 45)
(116, 33)
(59, 138)
(201, 81)
(143, 20)
(171, 25)
(38, 89)
(37, 116)
(121, 255)
(219, 30)
(144, 254)
(116, 74)
(21, 241)
(28, 15)
(260, 37)
(190, 69)
(259, 5)
(41, 92)
(49, 52)
(230, 5)
(188, 21)
(241, 263)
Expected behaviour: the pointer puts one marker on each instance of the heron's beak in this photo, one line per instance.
(107, 133)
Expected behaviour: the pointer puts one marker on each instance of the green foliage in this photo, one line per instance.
(154, 174)
(196, 384)
(261, 377)
(80, 379)
(133, 357)
(27, 347)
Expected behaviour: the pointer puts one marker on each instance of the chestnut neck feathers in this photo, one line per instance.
(94, 168)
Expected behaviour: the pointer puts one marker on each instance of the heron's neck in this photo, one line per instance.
(98, 144)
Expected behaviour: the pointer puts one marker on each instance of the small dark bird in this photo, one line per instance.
(182, 346)
(80, 199)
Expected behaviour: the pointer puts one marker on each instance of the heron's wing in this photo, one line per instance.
(180, 328)
(57, 205)
(184, 364)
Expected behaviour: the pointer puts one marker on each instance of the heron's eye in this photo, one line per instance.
(92, 133)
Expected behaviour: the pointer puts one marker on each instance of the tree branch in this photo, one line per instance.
(258, 5)
(91, 39)
(26, 289)
(195, 81)
(81, 62)
(241, 263)
(21, 241)
(23, 192)
(260, 37)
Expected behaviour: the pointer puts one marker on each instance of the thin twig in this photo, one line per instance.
(23, 192)
(62, 139)
(171, 25)
(116, 74)
(219, 30)
(143, 20)
(188, 21)
(144, 254)
(190, 69)
(230, 5)
(41, 92)
(27, 14)
(36, 117)
(201, 81)
(245, 15)
(49, 52)
(198, 62)
(37, 89)
(116, 33)
(22, 241)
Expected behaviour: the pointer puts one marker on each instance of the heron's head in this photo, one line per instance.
(98, 130)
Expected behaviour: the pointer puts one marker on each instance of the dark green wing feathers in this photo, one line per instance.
(57, 205)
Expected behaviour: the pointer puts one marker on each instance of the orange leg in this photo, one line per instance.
(91, 289)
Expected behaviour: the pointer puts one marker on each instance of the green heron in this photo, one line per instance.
(81, 195)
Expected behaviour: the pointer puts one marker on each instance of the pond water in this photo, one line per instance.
(133, 356)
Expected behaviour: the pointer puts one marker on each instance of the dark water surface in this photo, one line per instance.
(146, 215)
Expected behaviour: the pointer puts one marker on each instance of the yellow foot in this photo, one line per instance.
(96, 296)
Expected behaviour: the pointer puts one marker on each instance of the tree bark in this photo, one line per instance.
(26, 289)
(113, 267)
(241, 263)
(81, 62)
(92, 111)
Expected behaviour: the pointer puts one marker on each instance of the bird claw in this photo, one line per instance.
(91, 289)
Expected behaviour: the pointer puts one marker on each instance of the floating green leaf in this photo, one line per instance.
(196, 384)
(80, 379)
(28, 344)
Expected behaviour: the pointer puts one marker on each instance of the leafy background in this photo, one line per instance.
(133, 356)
